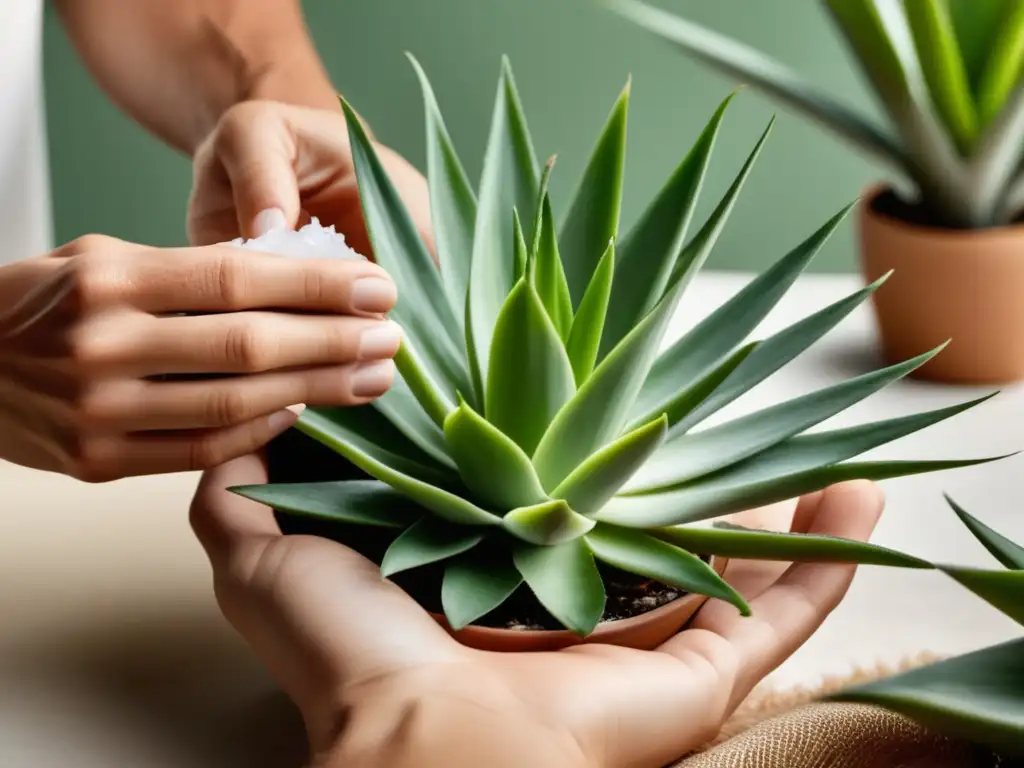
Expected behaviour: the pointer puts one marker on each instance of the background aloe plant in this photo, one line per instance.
(535, 430)
(946, 72)
(978, 696)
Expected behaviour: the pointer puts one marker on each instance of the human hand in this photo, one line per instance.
(268, 164)
(379, 683)
(88, 333)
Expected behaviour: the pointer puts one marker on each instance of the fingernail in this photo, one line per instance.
(374, 379)
(297, 409)
(268, 220)
(281, 421)
(380, 341)
(373, 294)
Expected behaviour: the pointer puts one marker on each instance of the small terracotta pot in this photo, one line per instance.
(966, 286)
(644, 632)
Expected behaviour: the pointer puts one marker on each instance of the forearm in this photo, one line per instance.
(176, 65)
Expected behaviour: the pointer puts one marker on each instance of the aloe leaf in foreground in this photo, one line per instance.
(729, 540)
(649, 251)
(585, 335)
(509, 180)
(426, 541)
(548, 275)
(716, 496)
(565, 580)
(356, 502)
(549, 523)
(1003, 590)
(976, 696)
(593, 216)
(715, 337)
(693, 455)
(474, 585)
(642, 554)
(492, 466)
(452, 200)
(1007, 552)
(530, 376)
(600, 477)
(423, 311)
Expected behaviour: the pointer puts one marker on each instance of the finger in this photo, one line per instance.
(117, 457)
(254, 342)
(257, 150)
(789, 611)
(224, 279)
(138, 406)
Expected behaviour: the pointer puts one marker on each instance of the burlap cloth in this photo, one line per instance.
(792, 729)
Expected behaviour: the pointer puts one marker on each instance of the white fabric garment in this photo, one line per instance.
(25, 227)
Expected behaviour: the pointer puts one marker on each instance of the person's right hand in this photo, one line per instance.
(96, 355)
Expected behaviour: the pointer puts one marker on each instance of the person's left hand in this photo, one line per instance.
(379, 683)
(268, 164)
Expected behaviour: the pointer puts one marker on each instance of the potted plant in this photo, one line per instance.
(948, 76)
(978, 696)
(531, 475)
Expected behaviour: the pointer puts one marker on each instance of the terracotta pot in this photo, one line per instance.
(966, 286)
(644, 632)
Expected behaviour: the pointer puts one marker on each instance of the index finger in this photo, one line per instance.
(221, 278)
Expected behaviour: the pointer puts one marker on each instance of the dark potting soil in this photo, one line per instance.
(888, 203)
(296, 458)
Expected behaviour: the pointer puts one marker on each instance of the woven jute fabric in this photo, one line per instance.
(794, 729)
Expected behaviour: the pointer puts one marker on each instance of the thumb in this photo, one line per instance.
(257, 149)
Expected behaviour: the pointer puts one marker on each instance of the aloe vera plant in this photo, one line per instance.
(947, 74)
(535, 430)
(978, 696)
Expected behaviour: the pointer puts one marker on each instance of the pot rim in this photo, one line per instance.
(604, 628)
(866, 204)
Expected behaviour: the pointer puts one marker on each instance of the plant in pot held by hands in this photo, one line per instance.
(537, 459)
(948, 75)
(978, 696)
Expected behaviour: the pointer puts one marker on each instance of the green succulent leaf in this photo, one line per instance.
(390, 468)
(976, 24)
(975, 696)
(697, 250)
(715, 337)
(509, 180)
(725, 494)
(585, 336)
(648, 253)
(367, 430)
(680, 405)
(357, 502)
(1004, 63)
(492, 466)
(693, 455)
(1003, 590)
(452, 200)
(751, 66)
(423, 311)
(642, 554)
(424, 390)
(596, 480)
(773, 353)
(931, 24)
(522, 256)
(593, 216)
(403, 413)
(542, 199)
(548, 523)
(729, 540)
(474, 586)
(566, 581)
(426, 541)
(530, 376)
(1007, 552)
(549, 276)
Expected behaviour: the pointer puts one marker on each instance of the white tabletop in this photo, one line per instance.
(112, 651)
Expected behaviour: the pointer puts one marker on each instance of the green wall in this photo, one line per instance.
(570, 58)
